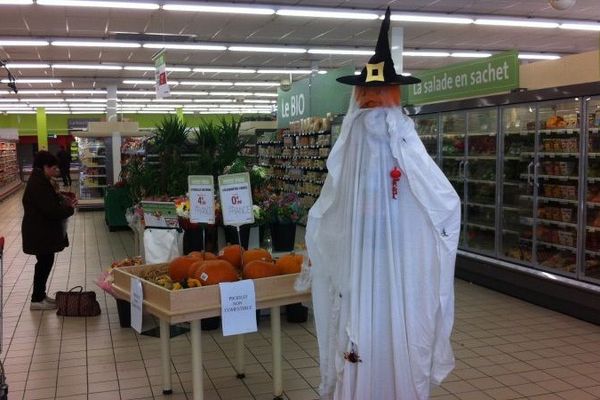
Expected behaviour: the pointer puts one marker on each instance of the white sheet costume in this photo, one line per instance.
(382, 268)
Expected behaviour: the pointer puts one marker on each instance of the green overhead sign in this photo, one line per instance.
(314, 97)
(495, 74)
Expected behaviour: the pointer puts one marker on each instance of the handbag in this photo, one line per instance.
(77, 303)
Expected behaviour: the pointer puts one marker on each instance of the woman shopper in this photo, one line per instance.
(43, 227)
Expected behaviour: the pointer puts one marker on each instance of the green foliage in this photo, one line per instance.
(229, 143)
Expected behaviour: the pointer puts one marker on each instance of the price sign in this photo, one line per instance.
(236, 199)
(202, 198)
(158, 214)
(136, 301)
(238, 307)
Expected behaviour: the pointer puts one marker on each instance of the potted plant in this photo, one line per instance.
(282, 213)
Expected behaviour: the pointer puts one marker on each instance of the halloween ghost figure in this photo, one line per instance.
(382, 264)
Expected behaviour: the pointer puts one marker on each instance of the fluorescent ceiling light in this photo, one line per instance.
(81, 100)
(522, 23)
(187, 93)
(350, 52)
(178, 46)
(316, 13)
(430, 18)
(29, 91)
(146, 82)
(227, 70)
(259, 94)
(357, 72)
(172, 100)
(88, 66)
(136, 92)
(213, 101)
(103, 4)
(26, 80)
(205, 83)
(21, 112)
(267, 84)
(9, 100)
(256, 101)
(230, 94)
(285, 71)
(43, 100)
(138, 68)
(525, 56)
(81, 91)
(426, 54)
(135, 101)
(96, 43)
(321, 72)
(580, 26)
(233, 9)
(45, 105)
(27, 65)
(267, 49)
(24, 42)
(470, 54)
(406, 74)
(15, 2)
(88, 112)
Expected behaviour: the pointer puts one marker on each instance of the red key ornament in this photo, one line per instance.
(395, 174)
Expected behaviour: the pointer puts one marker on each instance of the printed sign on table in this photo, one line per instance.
(202, 198)
(238, 307)
(236, 199)
(159, 214)
(136, 300)
(160, 75)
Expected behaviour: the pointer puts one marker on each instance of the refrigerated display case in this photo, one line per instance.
(93, 172)
(526, 166)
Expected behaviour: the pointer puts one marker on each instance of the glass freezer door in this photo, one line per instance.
(591, 265)
(454, 129)
(557, 181)
(427, 127)
(480, 175)
(518, 130)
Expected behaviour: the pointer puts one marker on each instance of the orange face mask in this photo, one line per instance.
(377, 96)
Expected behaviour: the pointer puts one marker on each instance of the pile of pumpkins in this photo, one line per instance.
(202, 268)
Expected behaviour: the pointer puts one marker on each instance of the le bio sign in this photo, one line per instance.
(236, 199)
(293, 104)
(495, 74)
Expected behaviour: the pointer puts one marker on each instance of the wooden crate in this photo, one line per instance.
(192, 304)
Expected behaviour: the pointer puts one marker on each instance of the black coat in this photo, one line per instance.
(44, 214)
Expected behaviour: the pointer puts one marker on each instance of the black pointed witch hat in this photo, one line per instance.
(380, 71)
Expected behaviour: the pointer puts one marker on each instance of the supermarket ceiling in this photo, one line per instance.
(73, 43)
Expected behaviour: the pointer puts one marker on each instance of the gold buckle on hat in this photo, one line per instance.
(375, 72)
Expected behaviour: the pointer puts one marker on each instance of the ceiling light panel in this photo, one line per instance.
(182, 46)
(580, 26)
(226, 70)
(213, 101)
(320, 13)
(349, 52)
(28, 65)
(205, 83)
(470, 54)
(230, 94)
(88, 66)
(187, 93)
(426, 54)
(82, 91)
(265, 84)
(438, 19)
(214, 8)
(259, 94)
(521, 23)
(16, 2)
(33, 91)
(95, 43)
(136, 92)
(33, 80)
(22, 42)
(268, 49)
(527, 56)
(102, 4)
(285, 71)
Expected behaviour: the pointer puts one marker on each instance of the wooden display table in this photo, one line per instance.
(194, 304)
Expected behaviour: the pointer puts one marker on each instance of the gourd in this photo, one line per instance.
(179, 267)
(260, 269)
(255, 254)
(232, 254)
(214, 271)
(290, 263)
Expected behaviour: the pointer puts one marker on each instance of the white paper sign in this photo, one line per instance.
(238, 307)
(136, 300)
(202, 198)
(236, 199)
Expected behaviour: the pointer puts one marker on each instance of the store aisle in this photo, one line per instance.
(505, 348)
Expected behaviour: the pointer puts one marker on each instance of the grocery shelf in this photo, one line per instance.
(481, 181)
(552, 199)
(529, 221)
(554, 245)
(270, 143)
(555, 177)
(480, 226)
(557, 154)
(480, 205)
(481, 133)
(561, 131)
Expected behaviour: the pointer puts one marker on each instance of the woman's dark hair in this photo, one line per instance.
(44, 159)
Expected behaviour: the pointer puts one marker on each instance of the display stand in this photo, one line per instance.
(194, 304)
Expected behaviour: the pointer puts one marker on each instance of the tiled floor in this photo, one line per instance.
(505, 348)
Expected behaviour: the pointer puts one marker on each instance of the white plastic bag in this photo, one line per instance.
(162, 245)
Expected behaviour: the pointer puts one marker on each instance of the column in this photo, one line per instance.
(179, 111)
(111, 116)
(42, 128)
(397, 46)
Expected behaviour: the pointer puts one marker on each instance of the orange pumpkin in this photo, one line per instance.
(255, 254)
(260, 269)
(290, 263)
(179, 267)
(203, 255)
(233, 254)
(214, 271)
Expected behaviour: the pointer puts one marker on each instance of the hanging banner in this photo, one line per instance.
(236, 199)
(160, 75)
(495, 74)
(201, 189)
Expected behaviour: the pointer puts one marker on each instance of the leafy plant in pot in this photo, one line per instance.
(282, 213)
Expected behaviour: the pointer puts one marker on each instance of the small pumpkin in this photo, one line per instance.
(203, 255)
(260, 269)
(290, 263)
(179, 267)
(233, 254)
(255, 254)
(214, 271)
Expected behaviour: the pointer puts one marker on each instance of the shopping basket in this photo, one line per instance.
(3, 385)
